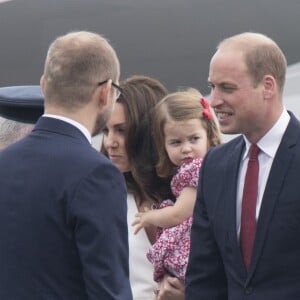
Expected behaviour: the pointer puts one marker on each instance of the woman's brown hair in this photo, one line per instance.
(139, 96)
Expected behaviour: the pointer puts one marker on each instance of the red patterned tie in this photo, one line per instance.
(248, 219)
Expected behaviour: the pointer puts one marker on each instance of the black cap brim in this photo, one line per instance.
(22, 103)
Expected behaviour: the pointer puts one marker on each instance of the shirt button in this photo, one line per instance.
(249, 290)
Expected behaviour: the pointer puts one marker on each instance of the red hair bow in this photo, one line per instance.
(206, 111)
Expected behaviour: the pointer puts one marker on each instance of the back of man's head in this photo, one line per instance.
(75, 64)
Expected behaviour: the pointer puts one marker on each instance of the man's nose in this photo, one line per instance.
(215, 98)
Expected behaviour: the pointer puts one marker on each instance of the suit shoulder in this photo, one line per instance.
(225, 148)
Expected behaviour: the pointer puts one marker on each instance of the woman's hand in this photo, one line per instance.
(171, 288)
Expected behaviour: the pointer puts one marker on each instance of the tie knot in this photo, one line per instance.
(254, 150)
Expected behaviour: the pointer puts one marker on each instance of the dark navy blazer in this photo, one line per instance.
(63, 228)
(216, 270)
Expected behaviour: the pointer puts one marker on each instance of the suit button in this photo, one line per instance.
(249, 290)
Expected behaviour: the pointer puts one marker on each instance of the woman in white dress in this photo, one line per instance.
(127, 142)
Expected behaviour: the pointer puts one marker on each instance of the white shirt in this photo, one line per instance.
(140, 269)
(79, 126)
(268, 145)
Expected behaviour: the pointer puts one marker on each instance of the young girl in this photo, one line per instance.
(184, 129)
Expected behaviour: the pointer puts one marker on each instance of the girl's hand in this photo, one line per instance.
(140, 220)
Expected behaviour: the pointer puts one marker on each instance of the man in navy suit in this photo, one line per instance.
(63, 207)
(20, 108)
(246, 76)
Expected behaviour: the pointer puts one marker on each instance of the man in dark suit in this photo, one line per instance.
(245, 241)
(20, 108)
(63, 227)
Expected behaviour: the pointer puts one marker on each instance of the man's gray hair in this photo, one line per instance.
(12, 131)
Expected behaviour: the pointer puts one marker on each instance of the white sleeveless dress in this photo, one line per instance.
(141, 270)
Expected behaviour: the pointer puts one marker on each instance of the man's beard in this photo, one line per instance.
(102, 120)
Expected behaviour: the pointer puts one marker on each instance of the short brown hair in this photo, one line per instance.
(262, 56)
(75, 64)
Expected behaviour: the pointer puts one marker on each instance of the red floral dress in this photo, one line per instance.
(169, 254)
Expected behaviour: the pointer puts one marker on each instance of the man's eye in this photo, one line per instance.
(228, 89)
(211, 86)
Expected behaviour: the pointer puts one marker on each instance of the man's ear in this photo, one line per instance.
(42, 84)
(269, 86)
(103, 93)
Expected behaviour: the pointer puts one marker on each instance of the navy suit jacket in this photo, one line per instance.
(216, 270)
(63, 228)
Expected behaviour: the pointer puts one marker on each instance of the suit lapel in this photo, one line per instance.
(230, 185)
(281, 163)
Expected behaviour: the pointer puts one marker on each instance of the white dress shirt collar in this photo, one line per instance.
(269, 143)
(79, 126)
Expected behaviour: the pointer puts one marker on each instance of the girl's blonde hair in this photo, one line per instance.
(180, 106)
